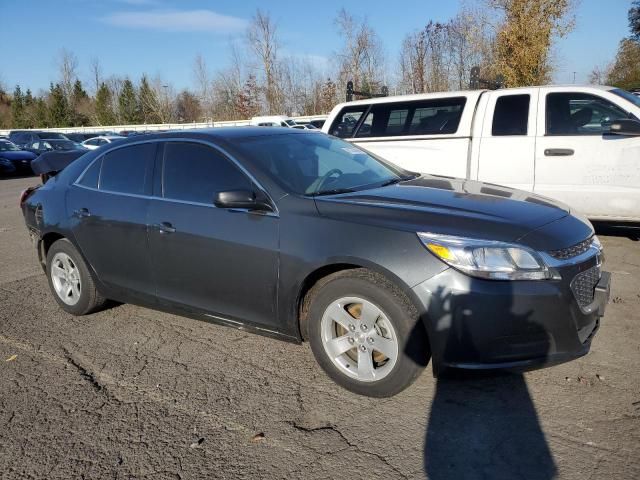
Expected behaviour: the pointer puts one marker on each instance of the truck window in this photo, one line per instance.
(573, 113)
(346, 121)
(421, 117)
(511, 115)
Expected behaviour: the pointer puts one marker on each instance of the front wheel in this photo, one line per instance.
(365, 333)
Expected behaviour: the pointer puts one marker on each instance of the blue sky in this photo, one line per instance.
(131, 37)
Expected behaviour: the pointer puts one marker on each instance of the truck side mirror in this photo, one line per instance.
(625, 126)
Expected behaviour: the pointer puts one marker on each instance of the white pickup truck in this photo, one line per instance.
(578, 144)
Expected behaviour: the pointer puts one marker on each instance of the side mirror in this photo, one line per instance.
(240, 199)
(628, 127)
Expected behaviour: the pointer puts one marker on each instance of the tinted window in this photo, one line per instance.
(124, 170)
(90, 177)
(345, 123)
(575, 113)
(425, 117)
(195, 172)
(511, 115)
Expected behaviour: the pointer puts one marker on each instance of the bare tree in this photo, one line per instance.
(262, 38)
(68, 71)
(96, 74)
(361, 58)
(203, 86)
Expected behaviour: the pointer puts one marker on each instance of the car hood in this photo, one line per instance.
(451, 206)
(17, 155)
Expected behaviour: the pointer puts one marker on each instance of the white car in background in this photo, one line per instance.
(96, 142)
(577, 144)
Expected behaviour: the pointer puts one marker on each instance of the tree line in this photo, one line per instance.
(508, 38)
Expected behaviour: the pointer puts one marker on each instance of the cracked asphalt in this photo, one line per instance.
(132, 393)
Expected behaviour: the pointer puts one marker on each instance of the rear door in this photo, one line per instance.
(217, 260)
(108, 205)
(579, 161)
(507, 143)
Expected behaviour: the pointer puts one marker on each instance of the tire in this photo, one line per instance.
(74, 289)
(362, 311)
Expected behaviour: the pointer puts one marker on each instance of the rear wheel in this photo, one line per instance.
(365, 333)
(70, 280)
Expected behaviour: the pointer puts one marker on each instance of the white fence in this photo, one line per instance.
(159, 126)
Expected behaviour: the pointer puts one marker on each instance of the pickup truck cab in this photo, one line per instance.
(555, 141)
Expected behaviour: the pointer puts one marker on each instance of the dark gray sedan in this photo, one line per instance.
(305, 237)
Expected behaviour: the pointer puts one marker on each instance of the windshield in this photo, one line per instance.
(62, 145)
(627, 96)
(315, 164)
(291, 123)
(7, 146)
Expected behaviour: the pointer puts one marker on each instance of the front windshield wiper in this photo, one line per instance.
(393, 181)
(332, 191)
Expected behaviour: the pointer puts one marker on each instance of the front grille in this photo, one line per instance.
(584, 284)
(572, 251)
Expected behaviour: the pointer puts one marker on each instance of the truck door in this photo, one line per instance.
(578, 160)
(507, 144)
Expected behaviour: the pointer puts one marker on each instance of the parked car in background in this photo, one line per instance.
(305, 126)
(96, 142)
(272, 121)
(80, 137)
(318, 123)
(13, 160)
(25, 137)
(41, 146)
(306, 237)
(575, 144)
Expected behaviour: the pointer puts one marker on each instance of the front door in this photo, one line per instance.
(580, 163)
(220, 261)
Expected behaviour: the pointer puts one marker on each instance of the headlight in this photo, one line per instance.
(487, 259)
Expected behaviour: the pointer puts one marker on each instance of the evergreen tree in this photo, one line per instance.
(59, 115)
(104, 112)
(79, 100)
(40, 114)
(17, 108)
(147, 102)
(29, 118)
(128, 103)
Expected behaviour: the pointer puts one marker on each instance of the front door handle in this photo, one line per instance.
(82, 213)
(165, 227)
(558, 152)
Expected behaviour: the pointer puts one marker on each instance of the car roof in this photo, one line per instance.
(219, 133)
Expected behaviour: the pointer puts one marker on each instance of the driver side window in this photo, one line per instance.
(573, 113)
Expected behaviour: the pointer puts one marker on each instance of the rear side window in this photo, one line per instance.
(425, 117)
(195, 173)
(511, 115)
(125, 170)
(574, 113)
(345, 123)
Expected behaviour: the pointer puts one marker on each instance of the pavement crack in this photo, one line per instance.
(349, 443)
(86, 370)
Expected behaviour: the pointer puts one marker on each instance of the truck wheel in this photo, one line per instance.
(70, 280)
(365, 333)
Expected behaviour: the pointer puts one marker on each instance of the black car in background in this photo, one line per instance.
(59, 145)
(306, 237)
(13, 160)
(25, 137)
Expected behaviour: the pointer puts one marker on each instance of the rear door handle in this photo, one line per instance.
(82, 213)
(165, 227)
(558, 152)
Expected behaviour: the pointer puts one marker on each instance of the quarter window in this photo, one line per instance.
(574, 113)
(90, 177)
(511, 115)
(124, 170)
(194, 172)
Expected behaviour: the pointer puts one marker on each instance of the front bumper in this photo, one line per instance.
(483, 324)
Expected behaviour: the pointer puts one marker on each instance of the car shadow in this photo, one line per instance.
(483, 424)
(628, 230)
